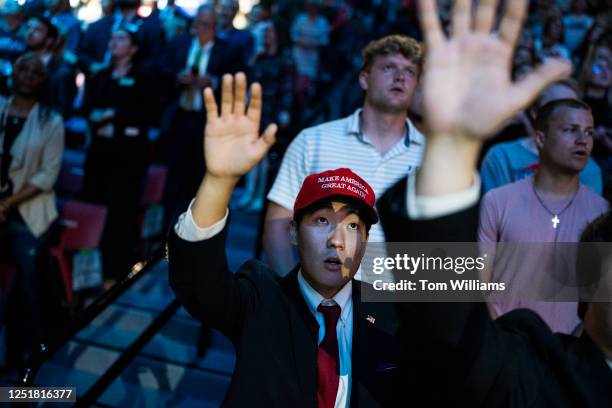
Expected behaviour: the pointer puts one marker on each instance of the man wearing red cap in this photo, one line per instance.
(306, 339)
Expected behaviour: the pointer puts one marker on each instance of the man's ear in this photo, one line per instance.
(363, 80)
(539, 138)
(293, 233)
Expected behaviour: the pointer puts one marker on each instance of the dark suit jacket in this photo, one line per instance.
(223, 59)
(468, 359)
(274, 333)
(134, 98)
(61, 86)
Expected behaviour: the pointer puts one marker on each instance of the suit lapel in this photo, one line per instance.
(304, 331)
(215, 59)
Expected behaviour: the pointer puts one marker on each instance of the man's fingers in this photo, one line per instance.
(430, 23)
(240, 93)
(527, 89)
(227, 97)
(254, 112)
(485, 16)
(510, 27)
(462, 17)
(268, 138)
(211, 106)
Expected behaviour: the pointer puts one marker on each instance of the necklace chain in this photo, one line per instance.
(555, 220)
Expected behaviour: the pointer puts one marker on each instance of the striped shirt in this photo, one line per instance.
(341, 143)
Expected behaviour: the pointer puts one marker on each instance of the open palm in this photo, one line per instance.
(232, 145)
(467, 88)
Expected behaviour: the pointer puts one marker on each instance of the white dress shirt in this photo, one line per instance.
(191, 98)
(187, 229)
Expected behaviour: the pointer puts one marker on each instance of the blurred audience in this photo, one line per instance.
(191, 63)
(93, 52)
(241, 40)
(120, 104)
(274, 70)
(309, 32)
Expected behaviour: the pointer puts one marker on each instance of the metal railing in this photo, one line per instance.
(46, 351)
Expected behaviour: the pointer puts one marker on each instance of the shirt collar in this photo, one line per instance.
(412, 134)
(195, 44)
(314, 298)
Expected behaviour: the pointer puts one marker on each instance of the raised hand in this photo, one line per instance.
(232, 145)
(467, 87)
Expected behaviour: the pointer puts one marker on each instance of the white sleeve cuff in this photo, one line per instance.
(187, 229)
(423, 208)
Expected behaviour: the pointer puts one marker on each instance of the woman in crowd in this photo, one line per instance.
(120, 102)
(31, 149)
(552, 45)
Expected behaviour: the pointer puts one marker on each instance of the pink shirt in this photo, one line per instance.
(513, 213)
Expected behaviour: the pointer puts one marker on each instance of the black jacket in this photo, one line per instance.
(224, 59)
(275, 334)
(466, 359)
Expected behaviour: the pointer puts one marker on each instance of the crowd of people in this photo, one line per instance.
(315, 336)
(132, 77)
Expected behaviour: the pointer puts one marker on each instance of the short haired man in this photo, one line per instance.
(305, 339)
(42, 38)
(552, 206)
(377, 141)
(511, 161)
(60, 13)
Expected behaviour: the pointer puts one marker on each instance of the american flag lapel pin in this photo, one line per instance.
(370, 319)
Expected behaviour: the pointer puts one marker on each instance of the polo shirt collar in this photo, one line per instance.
(412, 134)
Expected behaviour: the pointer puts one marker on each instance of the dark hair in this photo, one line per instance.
(132, 32)
(590, 258)
(410, 48)
(52, 30)
(353, 203)
(206, 7)
(545, 113)
(44, 111)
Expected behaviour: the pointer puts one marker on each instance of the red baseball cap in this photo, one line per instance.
(337, 183)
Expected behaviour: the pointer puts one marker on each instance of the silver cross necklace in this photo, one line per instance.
(555, 219)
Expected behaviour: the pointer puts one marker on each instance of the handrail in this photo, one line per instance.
(46, 351)
(98, 388)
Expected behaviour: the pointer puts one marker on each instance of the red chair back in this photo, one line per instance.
(154, 185)
(84, 224)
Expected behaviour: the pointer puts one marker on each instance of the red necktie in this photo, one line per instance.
(328, 363)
